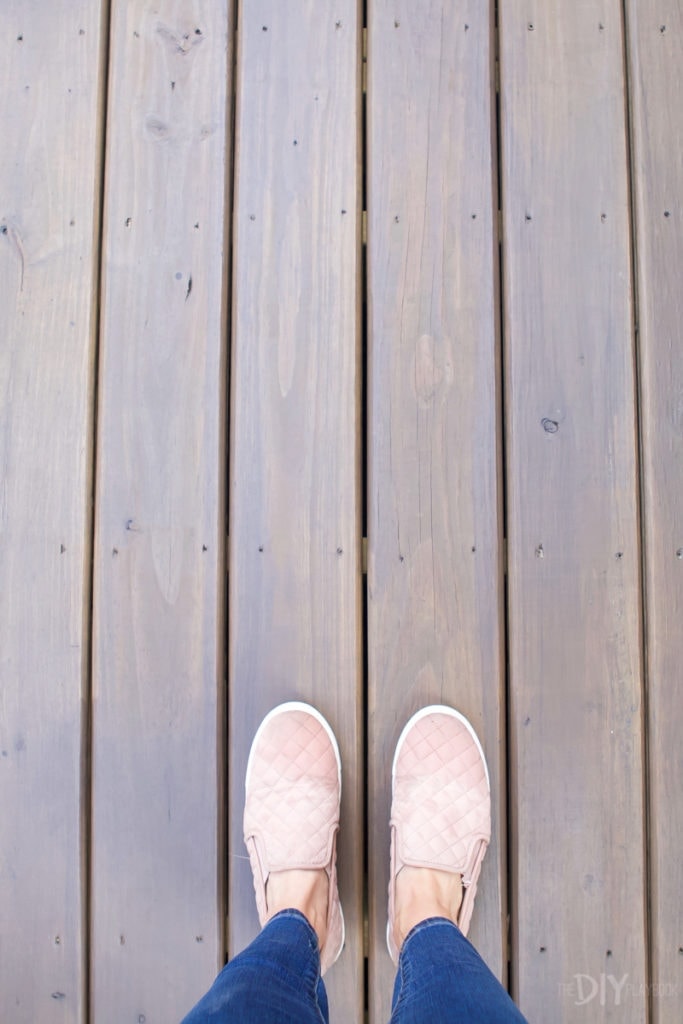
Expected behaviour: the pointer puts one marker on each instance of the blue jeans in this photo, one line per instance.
(276, 980)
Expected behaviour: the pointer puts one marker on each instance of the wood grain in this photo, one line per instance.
(158, 858)
(434, 470)
(576, 719)
(51, 84)
(295, 553)
(655, 48)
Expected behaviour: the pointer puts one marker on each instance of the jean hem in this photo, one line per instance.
(429, 922)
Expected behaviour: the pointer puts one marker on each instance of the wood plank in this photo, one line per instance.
(655, 47)
(435, 577)
(295, 553)
(158, 858)
(51, 85)
(573, 540)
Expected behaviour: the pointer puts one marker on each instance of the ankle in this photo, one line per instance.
(422, 893)
(302, 890)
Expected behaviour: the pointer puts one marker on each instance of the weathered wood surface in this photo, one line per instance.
(158, 857)
(577, 835)
(655, 46)
(51, 80)
(295, 553)
(576, 717)
(435, 581)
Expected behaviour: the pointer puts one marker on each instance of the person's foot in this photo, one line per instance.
(440, 822)
(303, 890)
(291, 820)
(421, 893)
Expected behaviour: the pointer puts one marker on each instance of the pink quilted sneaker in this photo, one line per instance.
(441, 805)
(291, 813)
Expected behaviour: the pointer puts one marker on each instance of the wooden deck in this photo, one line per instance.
(219, 376)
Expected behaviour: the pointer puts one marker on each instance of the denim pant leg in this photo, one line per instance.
(275, 980)
(442, 980)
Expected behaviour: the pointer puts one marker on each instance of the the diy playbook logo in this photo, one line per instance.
(610, 990)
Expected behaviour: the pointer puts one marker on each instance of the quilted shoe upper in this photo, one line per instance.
(291, 814)
(441, 808)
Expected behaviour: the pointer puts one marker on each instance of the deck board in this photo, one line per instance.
(435, 580)
(158, 905)
(576, 717)
(51, 82)
(655, 38)
(295, 544)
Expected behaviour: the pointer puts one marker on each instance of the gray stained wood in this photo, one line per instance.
(157, 937)
(655, 35)
(143, 731)
(576, 711)
(295, 551)
(51, 81)
(435, 578)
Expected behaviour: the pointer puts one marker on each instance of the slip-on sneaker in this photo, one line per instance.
(291, 812)
(441, 805)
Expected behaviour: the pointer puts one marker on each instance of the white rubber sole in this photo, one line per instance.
(441, 709)
(294, 705)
